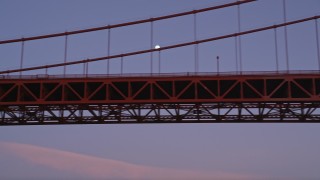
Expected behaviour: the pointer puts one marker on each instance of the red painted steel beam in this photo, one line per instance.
(162, 48)
(179, 89)
(126, 23)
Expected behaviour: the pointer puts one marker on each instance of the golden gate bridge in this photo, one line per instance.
(191, 97)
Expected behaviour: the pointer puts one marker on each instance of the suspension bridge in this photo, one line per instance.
(291, 96)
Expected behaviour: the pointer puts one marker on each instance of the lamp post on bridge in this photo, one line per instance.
(158, 48)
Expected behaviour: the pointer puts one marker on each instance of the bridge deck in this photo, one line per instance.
(180, 88)
(190, 98)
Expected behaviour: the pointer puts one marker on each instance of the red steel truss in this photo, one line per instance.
(180, 98)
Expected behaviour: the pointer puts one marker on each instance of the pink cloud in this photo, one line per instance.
(96, 167)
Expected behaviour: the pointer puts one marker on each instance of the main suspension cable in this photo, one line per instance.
(126, 23)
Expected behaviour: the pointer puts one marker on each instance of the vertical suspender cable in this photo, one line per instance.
(121, 63)
(84, 68)
(276, 49)
(109, 44)
(87, 69)
(159, 62)
(22, 56)
(286, 35)
(65, 54)
(151, 47)
(236, 52)
(239, 38)
(317, 40)
(236, 44)
(196, 56)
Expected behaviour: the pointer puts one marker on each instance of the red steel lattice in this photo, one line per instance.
(194, 98)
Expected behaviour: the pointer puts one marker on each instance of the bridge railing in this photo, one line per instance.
(233, 73)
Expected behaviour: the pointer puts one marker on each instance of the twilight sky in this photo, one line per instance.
(157, 151)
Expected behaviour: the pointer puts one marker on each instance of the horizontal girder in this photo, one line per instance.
(300, 112)
(161, 89)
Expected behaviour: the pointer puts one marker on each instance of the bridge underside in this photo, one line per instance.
(160, 99)
(160, 113)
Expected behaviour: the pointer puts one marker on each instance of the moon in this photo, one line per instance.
(157, 46)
